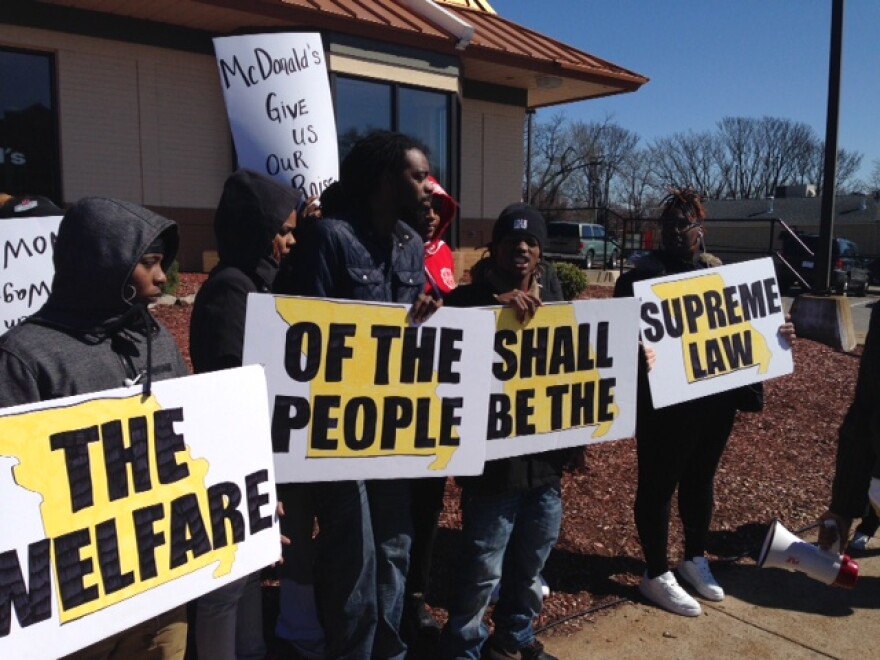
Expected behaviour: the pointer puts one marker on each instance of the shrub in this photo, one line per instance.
(574, 281)
(172, 279)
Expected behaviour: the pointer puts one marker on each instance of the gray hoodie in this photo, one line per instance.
(88, 336)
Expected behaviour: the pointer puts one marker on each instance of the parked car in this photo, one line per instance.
(848, 271)
(583, 243)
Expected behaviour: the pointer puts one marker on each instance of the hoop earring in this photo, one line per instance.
(129, 297)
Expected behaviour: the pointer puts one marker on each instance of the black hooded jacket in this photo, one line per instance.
(88, 336)
(251, 212)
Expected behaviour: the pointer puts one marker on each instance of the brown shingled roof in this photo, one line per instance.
(501, 52)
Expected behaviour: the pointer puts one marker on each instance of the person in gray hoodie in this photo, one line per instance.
(94, 333)
(253, 225)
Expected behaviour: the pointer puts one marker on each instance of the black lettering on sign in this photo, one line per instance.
(338, 350)
(257, 499)
(417, 357)
(107, 541)
(30, 606)
(188, 533)
(423, 439)
(500, 422)
(533, 353)
(384, 336)
(323, 423)
(169, 443)
(397, 414)
(450, 418)
(223, 502)
(360, 408)
(75, 445)
(117, 457)
(147, 538)
(293, 351)
(450, 354)
(506, 369)
(290, 413)
(525, 408)
(71, 569)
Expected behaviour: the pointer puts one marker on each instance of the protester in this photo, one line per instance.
(427, 493)
(95, 333)
(857, 471)
(363, 251)
(680, 445)
(511, 514)
(253, 226)
(27, 206)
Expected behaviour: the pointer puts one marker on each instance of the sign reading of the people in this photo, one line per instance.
(356, 391)
(565, 378)
(279, 106)
(713, 330)
(118, 507)
(26, 267)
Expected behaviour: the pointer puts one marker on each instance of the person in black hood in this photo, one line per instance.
(94, 333)
(253, 225)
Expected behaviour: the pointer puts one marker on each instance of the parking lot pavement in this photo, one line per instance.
(768, 613)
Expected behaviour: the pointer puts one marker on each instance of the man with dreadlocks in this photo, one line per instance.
(364, 250)
(680, 445)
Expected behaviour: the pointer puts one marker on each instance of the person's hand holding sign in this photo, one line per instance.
(524, 303)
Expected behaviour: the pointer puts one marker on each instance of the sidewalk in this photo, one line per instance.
(768, 613)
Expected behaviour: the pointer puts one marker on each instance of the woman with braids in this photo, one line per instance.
(680, 445)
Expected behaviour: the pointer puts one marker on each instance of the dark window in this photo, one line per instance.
(29, 154)
(426, 115)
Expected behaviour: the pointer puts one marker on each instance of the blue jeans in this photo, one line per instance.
(507, 538)
(229, 621)
(361, 561)
(345, 569)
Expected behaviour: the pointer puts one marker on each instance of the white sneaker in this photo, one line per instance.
(859, 542)
(665, 591)
(697, 574)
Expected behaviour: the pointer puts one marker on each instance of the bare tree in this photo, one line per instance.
(688, 160)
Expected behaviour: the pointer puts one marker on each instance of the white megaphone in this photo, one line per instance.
(782, 549)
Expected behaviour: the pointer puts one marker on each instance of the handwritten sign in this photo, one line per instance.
(566, 378)
(26, 267)
(117, 508)
(358, 392)
(279, 106)
(713, 330)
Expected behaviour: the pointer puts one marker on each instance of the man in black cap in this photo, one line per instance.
(511, 514)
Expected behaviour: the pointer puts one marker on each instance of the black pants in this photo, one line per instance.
(427, 505)
(679, 446)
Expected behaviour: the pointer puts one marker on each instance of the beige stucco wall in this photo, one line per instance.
(141, 123)
(492, 163)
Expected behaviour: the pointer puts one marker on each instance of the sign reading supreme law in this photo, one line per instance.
(278, 101)
(713, 330)
(117, 508)
(566, 378)
(358, 392)
(26, 267)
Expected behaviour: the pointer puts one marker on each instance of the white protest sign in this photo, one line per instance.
(26, 268)
(279, 106)
(566, 378)
(713, 330)
(117, 508)
(358, 392)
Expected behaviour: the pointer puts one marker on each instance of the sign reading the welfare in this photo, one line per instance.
(117, 507)
(26, 267)
(566, 378)
(278, 101)
(713, 330)
(356, 391)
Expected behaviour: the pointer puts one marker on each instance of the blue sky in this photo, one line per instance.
(707, 59)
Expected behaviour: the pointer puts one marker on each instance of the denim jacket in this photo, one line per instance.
(346, 259)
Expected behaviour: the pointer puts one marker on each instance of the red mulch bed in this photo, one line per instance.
(779, 463)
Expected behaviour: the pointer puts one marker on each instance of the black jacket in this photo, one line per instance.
(88, 337)
(251, 212)
(344, 258)
(858, 449)
(517, 473)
